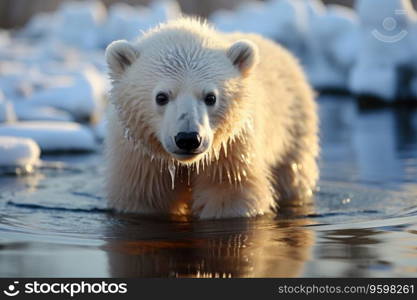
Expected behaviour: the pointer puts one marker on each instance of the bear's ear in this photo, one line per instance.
(244, 56)
(119, 56)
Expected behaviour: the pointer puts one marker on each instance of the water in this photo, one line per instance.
(363, 221)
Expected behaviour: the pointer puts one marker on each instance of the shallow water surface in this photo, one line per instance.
(363, 221)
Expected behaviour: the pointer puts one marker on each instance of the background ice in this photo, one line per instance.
(53, 136)
(7, 113)
(15, 152)
(53, 69)
(363, 51)
(332, 53)
(27, 111)
(78, 93)
(385, 41)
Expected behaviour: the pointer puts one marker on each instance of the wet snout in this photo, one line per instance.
(188, 141)
(190, 129)
(189, 132)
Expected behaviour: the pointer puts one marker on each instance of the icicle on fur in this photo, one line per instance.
(172, 171)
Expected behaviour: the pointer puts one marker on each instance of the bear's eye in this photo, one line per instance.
(162, 98)
(210, 99)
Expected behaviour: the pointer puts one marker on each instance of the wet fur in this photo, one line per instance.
(265, 141)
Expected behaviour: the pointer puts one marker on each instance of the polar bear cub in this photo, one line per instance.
(209, 124)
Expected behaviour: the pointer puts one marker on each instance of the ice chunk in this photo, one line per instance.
(11, 75)
(252, 18)
(39, 26)
(27, 111)
(79, 94)
(374, 80)
(7, 113)
(224, 20)
(53, 136)
(18, 152)
(286, 21)
(385, 45)
(163, 10)
(126, 22)
(100, 129)
(248, 17)
(79, 23)
(334, 44)
(292, 24)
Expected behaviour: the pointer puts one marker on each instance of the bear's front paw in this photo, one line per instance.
(210, 211)
(218, 204)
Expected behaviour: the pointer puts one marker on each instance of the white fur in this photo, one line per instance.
(260, 139)
(120, 55)
(244, 55)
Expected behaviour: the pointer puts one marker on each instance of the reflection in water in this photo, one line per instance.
(345, 245)
(406, 130)
(239, 248)
(363, 221)
(27, 184)
(37, 259)
(369, 147)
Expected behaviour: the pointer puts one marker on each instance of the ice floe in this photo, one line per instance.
(18, 152)
(53, 136)
(78, 93)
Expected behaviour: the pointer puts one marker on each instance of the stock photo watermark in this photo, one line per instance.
(390, 26)
(59, 288)
(12, 289)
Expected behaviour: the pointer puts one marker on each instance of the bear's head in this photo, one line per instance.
(180, 90)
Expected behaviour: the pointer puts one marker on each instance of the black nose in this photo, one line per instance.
(188, 141)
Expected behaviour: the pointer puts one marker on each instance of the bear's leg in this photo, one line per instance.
(296, 178)
(144, 186)
(250, 196)
(151, 196)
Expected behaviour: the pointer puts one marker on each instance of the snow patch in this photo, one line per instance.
(18, 152)
(53, 136)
